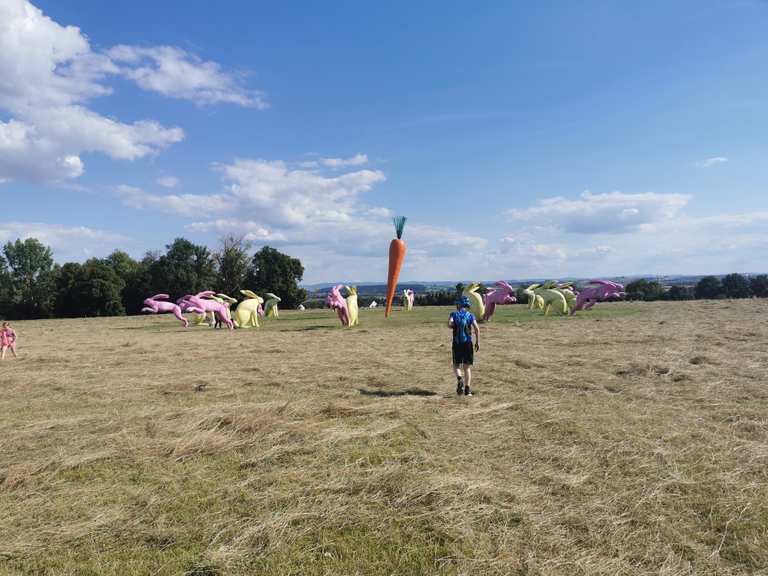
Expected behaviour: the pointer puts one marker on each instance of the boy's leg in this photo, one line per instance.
(13, 350)
(456, 366)
(459, 379)
(467, 378)
(2, 356)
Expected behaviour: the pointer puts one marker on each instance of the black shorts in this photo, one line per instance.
(463, 353)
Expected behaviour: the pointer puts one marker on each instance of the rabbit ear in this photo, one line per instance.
(227, 298)
(248, 293)
(160, 297)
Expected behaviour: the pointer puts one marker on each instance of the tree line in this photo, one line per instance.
(709, 288)
(32, 285)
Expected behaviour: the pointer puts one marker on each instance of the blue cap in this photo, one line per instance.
(463, 302)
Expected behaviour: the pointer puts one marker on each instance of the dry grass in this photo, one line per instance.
(629, 440)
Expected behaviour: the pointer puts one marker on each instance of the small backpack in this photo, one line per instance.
(462, 326)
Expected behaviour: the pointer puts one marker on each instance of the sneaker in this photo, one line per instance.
(468, 392)
(459, 385)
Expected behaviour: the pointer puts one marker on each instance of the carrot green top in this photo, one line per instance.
(399, 225)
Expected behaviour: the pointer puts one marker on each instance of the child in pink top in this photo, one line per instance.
(7, 340)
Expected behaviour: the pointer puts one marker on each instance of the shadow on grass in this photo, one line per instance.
(306, 328)
(153, 328)
(391, 393)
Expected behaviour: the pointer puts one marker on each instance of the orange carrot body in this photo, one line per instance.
(396, 257)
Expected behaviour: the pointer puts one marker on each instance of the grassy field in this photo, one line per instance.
(632, 439)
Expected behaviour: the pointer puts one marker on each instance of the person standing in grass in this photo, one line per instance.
(463, 322)
(7, 340)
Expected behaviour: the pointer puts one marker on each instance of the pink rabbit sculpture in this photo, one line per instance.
(220, 309)
(502, 293)
(337, 302)
(158, 304)
(203, 315)
(598, 291)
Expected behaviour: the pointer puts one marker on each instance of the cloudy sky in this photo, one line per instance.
(521, 139)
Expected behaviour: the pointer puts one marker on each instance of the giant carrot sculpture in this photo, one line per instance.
(396, 257)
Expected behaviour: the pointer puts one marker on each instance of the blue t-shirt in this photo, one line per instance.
(462, 326)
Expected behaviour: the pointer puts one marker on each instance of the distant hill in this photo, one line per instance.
(372, 289)
(379, 289)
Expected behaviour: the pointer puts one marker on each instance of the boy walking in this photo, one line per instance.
(463, 322)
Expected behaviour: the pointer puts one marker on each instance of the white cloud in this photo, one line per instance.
(667, 242)
(67, 242)
(356, 160)
(248, 229)
(379, 212)
(333, 163)
(168, 181)
(285, 197)
(21, 151)
(735, 221)
(43, 64)
(272, 194)
(49, 72)
(610, 213)
(176, 73)
(322, 219)
(714, 161)
(190, 205)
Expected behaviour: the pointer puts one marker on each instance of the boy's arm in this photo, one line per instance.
(450, 321)
(476, 329)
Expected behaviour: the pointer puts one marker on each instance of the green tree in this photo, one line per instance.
(680, 293)
(459, 289)
(436, 298)
(90, 289)
(644, 290)
(654, 291)
(100, 289)
(185, 268)
(32, 275)
(759, 285)
(138, 285)
(121, 262)
(232, 265)
(65, 303)
(6, 289)
(709, 287)
(636, 290)
(135, 277)
(273, 271)
(736, 286)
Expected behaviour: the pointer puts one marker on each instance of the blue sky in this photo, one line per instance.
(521, 139)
